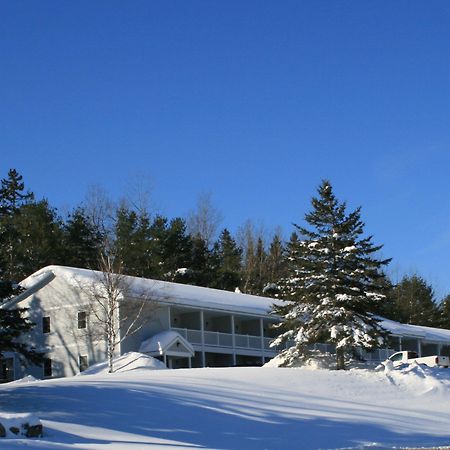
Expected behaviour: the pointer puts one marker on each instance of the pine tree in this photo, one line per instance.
(81, 241)
(444, 313)
(177, 252)
(12, 198)
(132, 242)
(13, 322)
(14, 325)
(40, 238)
(12, 194)
(202, 272)
(157, 236)
(227, 262)
(414, 302)
(335, 284)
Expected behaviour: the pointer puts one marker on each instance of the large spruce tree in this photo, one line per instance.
(335, 284)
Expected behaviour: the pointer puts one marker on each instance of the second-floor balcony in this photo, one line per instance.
(227, 340)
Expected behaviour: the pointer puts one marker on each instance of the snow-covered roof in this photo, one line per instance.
(160, 342)
(206, 298)
(163, 291)
(416, 331)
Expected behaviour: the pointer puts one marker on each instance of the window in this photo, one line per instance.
(46, 324)
(47, 367)
(81, 320)
(396, 357)
(83, 360)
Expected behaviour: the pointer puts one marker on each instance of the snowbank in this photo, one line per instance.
(238, 408)
(27, 379)
(419, 378)
(125, 363)
(318, 360)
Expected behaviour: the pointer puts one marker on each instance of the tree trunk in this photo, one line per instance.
(340, 359)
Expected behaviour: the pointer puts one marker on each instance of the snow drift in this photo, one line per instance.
(125, 363)
(237, 408)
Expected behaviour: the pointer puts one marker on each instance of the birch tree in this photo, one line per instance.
(116, 310)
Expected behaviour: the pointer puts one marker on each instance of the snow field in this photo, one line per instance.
(237, 408)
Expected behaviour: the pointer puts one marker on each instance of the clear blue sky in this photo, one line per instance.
(254, 101)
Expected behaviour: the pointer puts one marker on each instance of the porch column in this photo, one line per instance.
(233, 340)
(419, 348)
(400, 344)
(202, 332)
(261, 331)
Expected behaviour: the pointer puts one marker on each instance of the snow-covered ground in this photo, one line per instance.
(236, 408)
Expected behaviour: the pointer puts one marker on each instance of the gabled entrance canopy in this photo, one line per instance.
(170, 344)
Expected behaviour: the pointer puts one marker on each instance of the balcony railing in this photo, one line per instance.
(218, 339)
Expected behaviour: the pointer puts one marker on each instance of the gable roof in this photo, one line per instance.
(162, 342)
(38, 282)
(200, 297)
(163, 291)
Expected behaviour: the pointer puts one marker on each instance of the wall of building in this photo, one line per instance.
(154, 319)
(60, 302)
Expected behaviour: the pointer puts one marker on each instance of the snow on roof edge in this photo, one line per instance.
(170, 292)
(209, 298)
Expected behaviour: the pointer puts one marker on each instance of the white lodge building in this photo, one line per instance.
(208, 327)
(184, 326)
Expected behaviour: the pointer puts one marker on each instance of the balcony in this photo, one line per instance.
(219, 339)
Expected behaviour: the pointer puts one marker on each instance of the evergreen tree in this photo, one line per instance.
(335, 284)
(13, 322)
(202, 272)
(12, 198)
(12, 194)
(227, 262)
(13, 326)
(81, 241)
(158, 233)
(177, 247)
(40, 238)
(132, 242)
(414, 302)
(444, 313)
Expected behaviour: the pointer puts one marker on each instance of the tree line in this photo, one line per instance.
(190, 250)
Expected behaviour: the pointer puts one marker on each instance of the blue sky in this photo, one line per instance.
(252, 101)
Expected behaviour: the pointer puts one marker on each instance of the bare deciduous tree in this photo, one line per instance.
(100, 209)
(204, 221)
(252, 240)
(116, 309)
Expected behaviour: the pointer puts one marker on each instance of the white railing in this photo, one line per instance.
(215, 338)
(219, 339)
(193, 336)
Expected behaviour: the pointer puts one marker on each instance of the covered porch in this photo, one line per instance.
(240, 338)
(170, 347)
